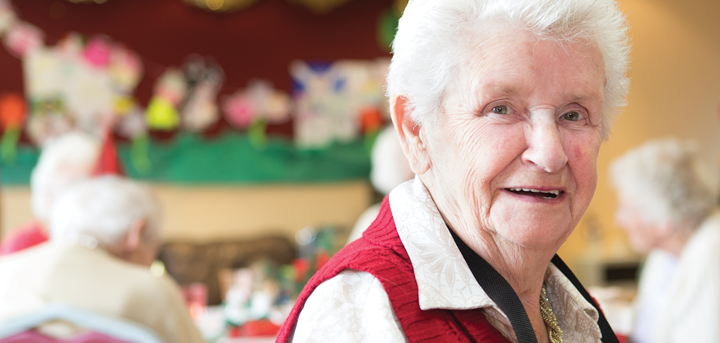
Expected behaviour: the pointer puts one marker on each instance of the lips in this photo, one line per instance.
(548, 194)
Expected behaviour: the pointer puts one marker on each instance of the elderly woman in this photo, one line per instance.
(668, 206)
(501, 107)
(104, 236)
(64, 162)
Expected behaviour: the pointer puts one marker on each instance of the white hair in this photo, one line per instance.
(390, 167)
(436, 37)
(667, 182)
(63, 162)
(105, 208)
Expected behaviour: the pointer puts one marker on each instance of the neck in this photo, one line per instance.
(675, 244)
(523, 268)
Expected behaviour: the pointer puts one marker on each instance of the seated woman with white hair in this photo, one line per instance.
(104, 236)
(668, 205)
(64, 162)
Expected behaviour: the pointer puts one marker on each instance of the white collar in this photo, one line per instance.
(443, 277)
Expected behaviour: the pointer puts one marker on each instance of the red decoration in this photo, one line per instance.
(370, 119)
(108, 161)
(12, 111)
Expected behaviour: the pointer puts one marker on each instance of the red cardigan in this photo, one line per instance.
(381, 253)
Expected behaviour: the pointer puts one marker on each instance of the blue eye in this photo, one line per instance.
(500, 109)
(572, 116)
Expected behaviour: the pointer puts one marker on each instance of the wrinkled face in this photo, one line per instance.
(514, 151)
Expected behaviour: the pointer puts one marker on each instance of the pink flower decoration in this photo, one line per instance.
(97, 52)
(22, 38)
(239, 110)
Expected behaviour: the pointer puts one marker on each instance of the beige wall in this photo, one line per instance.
(224, 212)
(675, 90)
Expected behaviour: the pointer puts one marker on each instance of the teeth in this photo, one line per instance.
(555, 192)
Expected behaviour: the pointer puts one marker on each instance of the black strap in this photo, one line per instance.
(500, 291)
(608, 335)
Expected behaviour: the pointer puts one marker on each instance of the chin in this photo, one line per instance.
(538, 232)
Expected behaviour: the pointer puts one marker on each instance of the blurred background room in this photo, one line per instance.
(254, 124)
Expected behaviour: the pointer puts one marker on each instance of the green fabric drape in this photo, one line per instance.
(228, 159)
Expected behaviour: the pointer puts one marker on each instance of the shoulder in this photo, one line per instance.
(703, 248)
(350, 307)
(22, 238)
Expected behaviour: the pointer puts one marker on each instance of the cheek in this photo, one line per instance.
(583, 161)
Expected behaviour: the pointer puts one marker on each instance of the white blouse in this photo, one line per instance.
(354, 307)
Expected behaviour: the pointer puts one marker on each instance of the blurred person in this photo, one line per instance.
(668, 207)
(104, 236)
(501, 107)
(64, 162)
(389, 169)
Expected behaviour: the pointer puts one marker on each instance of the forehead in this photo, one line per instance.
(516, 62)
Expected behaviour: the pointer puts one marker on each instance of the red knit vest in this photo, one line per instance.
(381, 253)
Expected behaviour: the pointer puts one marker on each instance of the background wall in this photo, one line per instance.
(216, 213)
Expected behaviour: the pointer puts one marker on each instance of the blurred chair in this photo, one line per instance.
(100, 328)
(189, 263)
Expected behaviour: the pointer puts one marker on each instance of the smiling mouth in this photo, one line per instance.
(535, 193)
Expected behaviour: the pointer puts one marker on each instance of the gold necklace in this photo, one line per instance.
(554, 331)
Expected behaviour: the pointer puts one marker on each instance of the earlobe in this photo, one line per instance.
(411, 134)
(135, 235)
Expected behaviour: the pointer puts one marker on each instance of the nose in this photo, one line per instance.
(545, 148)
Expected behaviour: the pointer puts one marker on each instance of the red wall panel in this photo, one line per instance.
(258, 42)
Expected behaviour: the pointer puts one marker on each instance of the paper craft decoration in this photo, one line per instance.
(321, 99)
(204, 79)
(44, 87)
(22, 37)
(270, 104)
(73, 85)
(162, 113)
(331, 99)
(97, 52)
(258, 102)
(130, 123)
(239, 110)
(12, 116)
(108, 162)
(253, 108)
(125, 69)
(7, 16)
(90, 96)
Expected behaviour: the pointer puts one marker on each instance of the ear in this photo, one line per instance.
(135, 235)
(411, 135)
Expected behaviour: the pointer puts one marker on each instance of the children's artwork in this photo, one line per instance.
(75, 85)
(125, 69)
(90, 96)
(7, 16)
(97, 52)
(162, 113)
(321, 103)
(22, 37)
(258, 102)
(331, 100)
(13, 112)
(204, 79)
